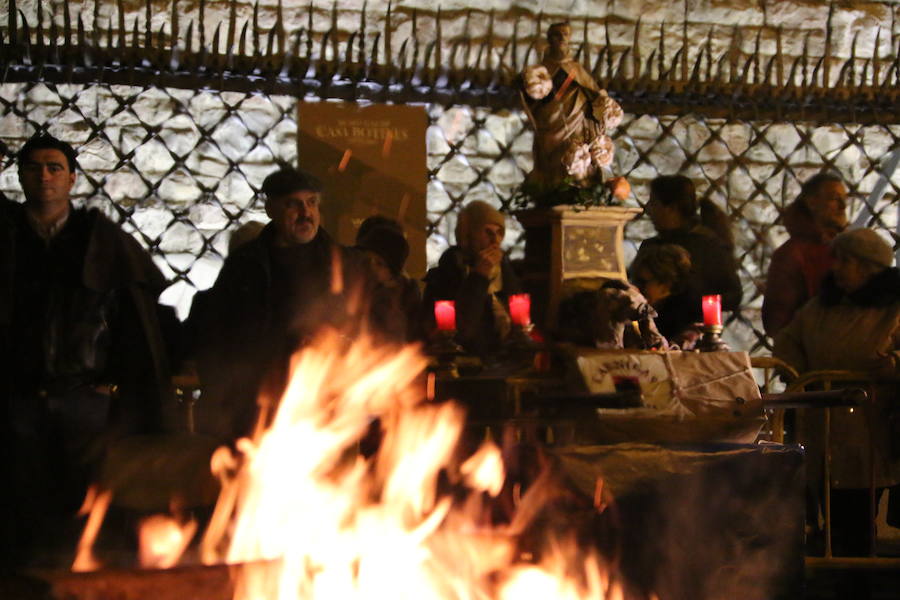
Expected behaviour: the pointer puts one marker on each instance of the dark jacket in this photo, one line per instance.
(77, 315)
(99, 320)
(266, 303)
(797, 269)
(453, 279)
(713, 271)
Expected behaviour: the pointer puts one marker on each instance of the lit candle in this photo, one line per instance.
(712, 310)
(445, 315)
(520, 309)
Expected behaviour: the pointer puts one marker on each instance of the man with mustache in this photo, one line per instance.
(83, 361)
(271, 297)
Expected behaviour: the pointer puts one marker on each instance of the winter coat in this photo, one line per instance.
(797, 269)
(100, 323)
(713, 271)
(78, 315)
(850, 332)
(266, 303)
(454, 279)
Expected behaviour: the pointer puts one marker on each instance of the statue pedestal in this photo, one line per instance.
(569, 249)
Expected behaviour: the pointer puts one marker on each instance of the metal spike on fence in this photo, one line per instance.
(619, 74)
(389, 38)
(83, 49)
(414, 63)
(309, 37)
(361, 54)
(709, 56)
(39, 28)
(636, 49)
(805, 60)
(232, 29)
(12, 23)
(25, 39)
(201, 26)
(829, 28)
(120, 10)
(661, 65)
(242, 43)
(734, 53)
(67, 26)
(257, 49)
(779, 56)
(54, 49)
(438, 39)
(109, 39)
(876, 60)
(189, 39)
(864, 75)
(148, 25)
(95, 30)
(606, 46)
(215, 45)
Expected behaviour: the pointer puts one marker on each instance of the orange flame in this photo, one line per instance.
(162, 540)
(95, 505)
(311, 518)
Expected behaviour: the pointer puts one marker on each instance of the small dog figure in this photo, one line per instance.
(603, 318)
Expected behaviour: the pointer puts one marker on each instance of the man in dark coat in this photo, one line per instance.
(799, 266)
(83, 357)
(478, 276)
(271, 297)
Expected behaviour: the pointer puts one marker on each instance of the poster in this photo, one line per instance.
(371, 160)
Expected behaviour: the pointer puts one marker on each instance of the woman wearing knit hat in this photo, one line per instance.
(478, 276)
(853, 324)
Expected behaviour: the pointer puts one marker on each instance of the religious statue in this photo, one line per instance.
(572, 118)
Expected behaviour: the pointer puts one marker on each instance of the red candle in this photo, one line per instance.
(712, 310)
(445, 315)
(520, 309)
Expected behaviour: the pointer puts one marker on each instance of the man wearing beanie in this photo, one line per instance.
(852, 324)
(478, 276)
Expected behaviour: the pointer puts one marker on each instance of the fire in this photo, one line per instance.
(162, 540)
(306, 515)
(95, 505)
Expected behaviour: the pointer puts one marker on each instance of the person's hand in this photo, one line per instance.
(487, 261)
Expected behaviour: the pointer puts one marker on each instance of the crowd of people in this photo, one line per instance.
(88, 352)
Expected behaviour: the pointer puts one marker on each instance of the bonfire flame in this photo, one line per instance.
(308, 516)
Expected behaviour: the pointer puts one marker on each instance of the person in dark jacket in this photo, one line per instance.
(84, 362)
(272, 296)
(799, 266)
(701, 228)
(396, 299)
(478, 276)
(662, 275)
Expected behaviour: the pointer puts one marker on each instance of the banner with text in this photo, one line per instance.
(371, 160)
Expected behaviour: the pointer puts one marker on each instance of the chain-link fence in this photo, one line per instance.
(181, 169)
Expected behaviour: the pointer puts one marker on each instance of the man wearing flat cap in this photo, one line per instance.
(272, 296)
(478, 276)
